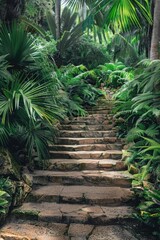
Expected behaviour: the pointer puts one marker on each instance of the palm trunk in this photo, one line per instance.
(58, 18)
(154, 53)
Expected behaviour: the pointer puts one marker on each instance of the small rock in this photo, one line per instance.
(28, 179)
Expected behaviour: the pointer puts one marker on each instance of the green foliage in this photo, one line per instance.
(125, 48)
(86, 52)
(138, 106)
(17, 46)
(70, 32)
(114, 75)
(36, 9)
(75, 80)
(28, 93)
(3, 202)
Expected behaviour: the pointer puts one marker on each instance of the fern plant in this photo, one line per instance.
(75, 82)
(114, 75)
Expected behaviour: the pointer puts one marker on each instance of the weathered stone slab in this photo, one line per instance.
(111, 233)
(73, 213)
(80, 231)
(34, 231)
(90, 134)
(85, 164)
(90, 177)
(112, 154)
(86, 147)
(81, 194)
(78, 141)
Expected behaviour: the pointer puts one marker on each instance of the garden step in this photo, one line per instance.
(81, 133)
(99, 140)
(72, 213)
(34, 230)
(113, 154)
(87, 127)
(99, 111)
(89, 121)
(87, 177)
(86, 147)
(97, 116)
(100, 107)
(104, 196)
(60, 231)
(85, 164)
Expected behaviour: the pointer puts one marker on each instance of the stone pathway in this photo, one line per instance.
(85, 191)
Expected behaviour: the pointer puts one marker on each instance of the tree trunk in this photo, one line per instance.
(58, 18)
(14, 9)
(154, 52)
(11, 9)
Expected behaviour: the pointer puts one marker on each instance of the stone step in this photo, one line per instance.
(97, 116)
(87, 134)
(85, 164)
(86, 147)
(69, 213)
(99, 111)
(87, 127)
(87, 178)
(34, 230)
(59, 231)
(82, 141)
(113, 154)
(91, 121)
(100, 107)
(103, 196)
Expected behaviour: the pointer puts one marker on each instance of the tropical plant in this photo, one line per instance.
(28, 93)
(76, 83)
(36, 10)
(125, 48)
(17, 46)
(85, 51)
(3, 202)
(70, 32)
(26, 107)
(114, 75)
(138, 104)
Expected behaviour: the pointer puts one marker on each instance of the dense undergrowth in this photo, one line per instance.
(139, 110)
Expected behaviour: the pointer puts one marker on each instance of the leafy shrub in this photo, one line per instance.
(139, 109)
(36, 10)
(80, 91)
(86, 52)
(114, 75)
(28, 93)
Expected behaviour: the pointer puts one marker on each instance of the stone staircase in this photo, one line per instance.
(85, 191)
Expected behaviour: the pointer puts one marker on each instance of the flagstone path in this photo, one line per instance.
(85, 191)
